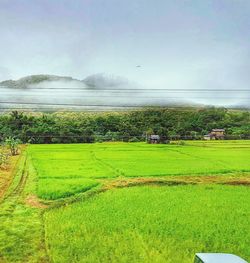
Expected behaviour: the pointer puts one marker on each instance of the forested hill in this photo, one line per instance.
(33, 80)
(127, 126)
(92, 81)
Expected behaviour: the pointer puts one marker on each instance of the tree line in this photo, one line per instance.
(80, 127)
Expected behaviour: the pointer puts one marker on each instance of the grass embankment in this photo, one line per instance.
(151, 224)
(21, 231)
(7, 174)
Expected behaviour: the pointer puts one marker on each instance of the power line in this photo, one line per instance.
(134, 96)
(68, 104)
(123, 136)
(100, 109)
(93, 107)
(129, 89)
(85, 105)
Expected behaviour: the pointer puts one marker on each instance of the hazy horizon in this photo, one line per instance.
(183, 44)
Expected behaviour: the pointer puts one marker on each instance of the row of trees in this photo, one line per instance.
(135, 125)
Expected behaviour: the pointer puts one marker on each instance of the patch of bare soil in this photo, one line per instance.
(175, 180)
(33, 201)
(108, 184)
(119, 183)
(238, 182)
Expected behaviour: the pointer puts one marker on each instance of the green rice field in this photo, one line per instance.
(65, 169)
(127, 202)
(152, 224)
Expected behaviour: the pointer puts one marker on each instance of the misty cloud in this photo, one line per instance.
(73, 94)
(4, 73)
(179, 44)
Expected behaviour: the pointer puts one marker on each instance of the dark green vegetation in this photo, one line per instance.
(64, 205)
(130, 126)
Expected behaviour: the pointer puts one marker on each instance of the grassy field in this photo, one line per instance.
(66, 169)
(152, 224)
(73, 203)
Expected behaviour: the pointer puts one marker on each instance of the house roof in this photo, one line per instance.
(154, 137)
(219, 258)
(218, 130)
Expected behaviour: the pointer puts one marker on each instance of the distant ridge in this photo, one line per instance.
(33, 80)
(97, 81)
(100, 81)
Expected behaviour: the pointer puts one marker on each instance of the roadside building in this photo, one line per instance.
(218, 134)
(215, 134)
(154, 138)
(207, 137)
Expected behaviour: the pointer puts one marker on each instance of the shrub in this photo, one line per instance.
(13, 144)
(134, 139)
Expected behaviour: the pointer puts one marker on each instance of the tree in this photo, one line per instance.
(13, 144)
(89, 127)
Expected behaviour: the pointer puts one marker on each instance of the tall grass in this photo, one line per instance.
(52, 188)
(152, 224)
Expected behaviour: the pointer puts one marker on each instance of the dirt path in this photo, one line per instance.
(122, 182)
(22, 181)
(28, 243)
(33, 201)
(7, 175)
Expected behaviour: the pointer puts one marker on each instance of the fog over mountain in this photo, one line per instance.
(197, 51)
(102, 81)
(103, 92)
(98, 91)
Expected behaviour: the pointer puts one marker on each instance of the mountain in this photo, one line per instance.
(102, 81)
(96, 81)
(33, 80)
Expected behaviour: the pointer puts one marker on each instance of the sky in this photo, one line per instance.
(203, 44)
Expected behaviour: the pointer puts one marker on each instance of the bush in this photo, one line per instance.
(13, 144)
(134, 139)
(178, 142)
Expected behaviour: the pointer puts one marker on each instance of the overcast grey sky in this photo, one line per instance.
(178, 43)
